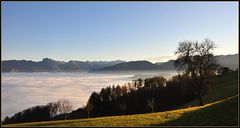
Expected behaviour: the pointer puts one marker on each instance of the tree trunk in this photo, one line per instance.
(199, 91)
(200, 98)
(152, 109)
(197, 83)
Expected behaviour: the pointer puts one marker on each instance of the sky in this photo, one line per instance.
(114, 30)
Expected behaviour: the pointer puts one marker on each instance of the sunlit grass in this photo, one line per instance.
(190, 116)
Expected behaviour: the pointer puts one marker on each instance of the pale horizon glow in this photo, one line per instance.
(108, 31)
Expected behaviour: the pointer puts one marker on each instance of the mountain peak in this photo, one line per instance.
(47, 60)
(140, 61)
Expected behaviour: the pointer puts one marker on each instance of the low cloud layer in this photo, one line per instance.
(24, 90)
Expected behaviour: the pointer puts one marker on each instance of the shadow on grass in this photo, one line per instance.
(220, 114)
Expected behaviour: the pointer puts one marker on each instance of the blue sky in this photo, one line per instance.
(114, 30)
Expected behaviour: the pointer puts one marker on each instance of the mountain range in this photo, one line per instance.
(50, 65)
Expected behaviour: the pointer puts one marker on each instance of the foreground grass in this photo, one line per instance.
(221, 113)
(224, 112)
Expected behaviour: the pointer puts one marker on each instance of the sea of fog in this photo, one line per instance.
(23, 90)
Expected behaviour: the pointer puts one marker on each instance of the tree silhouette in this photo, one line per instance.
(197, 61)
(64, 107)
(89, 108)
(53, 108)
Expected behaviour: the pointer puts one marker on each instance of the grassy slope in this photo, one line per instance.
(219, 112)
(223, 113)
(223, 87)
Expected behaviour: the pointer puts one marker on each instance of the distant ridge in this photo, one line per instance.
(132, 65)
(50, 65)
(230, 61)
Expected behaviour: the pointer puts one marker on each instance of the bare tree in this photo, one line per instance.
(197, 61)
(64, 107)
(53, 106)
(140, 82)
(135, 84)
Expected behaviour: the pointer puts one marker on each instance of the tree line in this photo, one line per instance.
(151, 95)
(41, 113)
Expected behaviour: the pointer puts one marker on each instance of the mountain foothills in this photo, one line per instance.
(49, 65)
(132, 65)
